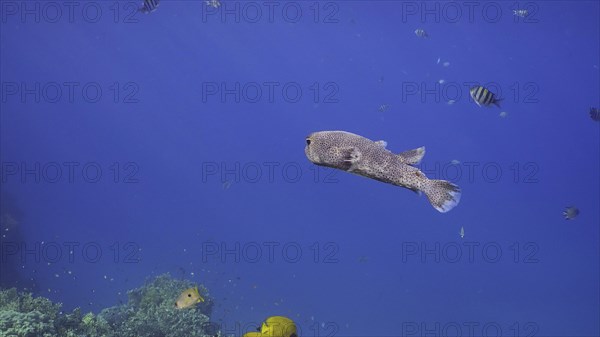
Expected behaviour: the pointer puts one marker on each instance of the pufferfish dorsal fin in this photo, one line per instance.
(381, 143)
(412, 157)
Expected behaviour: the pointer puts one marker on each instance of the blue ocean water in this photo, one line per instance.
(134, 145)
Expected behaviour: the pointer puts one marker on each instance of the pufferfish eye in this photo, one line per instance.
(307, 141)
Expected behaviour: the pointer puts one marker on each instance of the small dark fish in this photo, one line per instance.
(383, 107)
(571, 212)
(421, 33)
(520, 12)
(149, 6)
(213, 3)
(595, 114)
(484, 97)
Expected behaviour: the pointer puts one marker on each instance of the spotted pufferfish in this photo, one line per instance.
(359, 155)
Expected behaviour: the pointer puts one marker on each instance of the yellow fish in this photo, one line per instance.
(275, 326)
(188, 298)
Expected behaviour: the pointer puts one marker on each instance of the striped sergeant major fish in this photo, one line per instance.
(484, 97)
(149, 6)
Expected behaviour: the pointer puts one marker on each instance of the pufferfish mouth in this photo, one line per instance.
(308, 140)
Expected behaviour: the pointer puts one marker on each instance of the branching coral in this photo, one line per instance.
(22, 315)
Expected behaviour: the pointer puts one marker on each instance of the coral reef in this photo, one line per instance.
(149, 312)
(30, 324)
(25, 316)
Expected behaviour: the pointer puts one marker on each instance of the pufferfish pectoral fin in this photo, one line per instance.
(344, 157)
(350, 154)
(412, 157)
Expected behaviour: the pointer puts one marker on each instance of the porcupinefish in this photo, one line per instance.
(359, 155)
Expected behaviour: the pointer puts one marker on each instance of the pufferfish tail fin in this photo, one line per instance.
(443, 195)
(412, 157)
